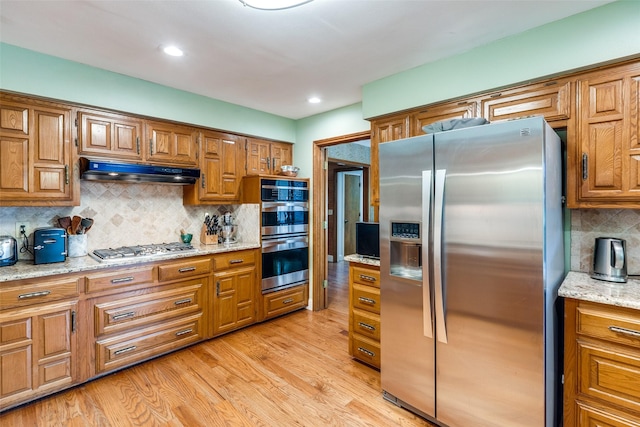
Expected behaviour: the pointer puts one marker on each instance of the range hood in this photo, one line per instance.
(103, 170)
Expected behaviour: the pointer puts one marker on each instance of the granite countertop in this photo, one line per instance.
(362, 260)
(581, 286)
(27, 270)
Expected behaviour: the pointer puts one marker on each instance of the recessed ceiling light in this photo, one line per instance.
(173, 51)
(273, 4)
(314, 100)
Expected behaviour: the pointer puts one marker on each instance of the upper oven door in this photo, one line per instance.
(284, 218)
(283, 190)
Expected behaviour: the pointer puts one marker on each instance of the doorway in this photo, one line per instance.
(324, 222)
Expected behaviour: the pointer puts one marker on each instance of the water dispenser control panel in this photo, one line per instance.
(406, 250)
(405, 230)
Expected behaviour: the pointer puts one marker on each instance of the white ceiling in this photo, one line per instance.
(270, 60)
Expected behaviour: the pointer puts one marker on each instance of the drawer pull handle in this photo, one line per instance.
(288, 301)
(236, 261)
(186, 331)
(122, 279)
(186, 269)
(367, 300)
(123, 315)
(125, 350)
(367, 326)
(367, 352)
(34, 294)
(618, 330)
(367, 278)
(183, 301)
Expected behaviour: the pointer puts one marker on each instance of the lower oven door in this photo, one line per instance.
(285, 262)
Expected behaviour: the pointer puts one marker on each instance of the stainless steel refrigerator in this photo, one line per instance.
(471, 257)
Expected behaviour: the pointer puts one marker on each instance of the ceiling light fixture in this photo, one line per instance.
(273, 4)
(314, 100)
(173, 51)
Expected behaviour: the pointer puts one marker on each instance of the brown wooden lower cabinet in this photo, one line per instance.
(602, 365)
(63, 330)
(364, 313)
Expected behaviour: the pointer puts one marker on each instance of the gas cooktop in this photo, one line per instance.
(140, 251)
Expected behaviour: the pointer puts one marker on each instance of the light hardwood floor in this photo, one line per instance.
(291, 371)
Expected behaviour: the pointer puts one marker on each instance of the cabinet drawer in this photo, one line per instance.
(15, 331)
(367, 324)
(592, 417)
(366, 350)
(126, 349)
(366, 298)
(115, 279)
(610, 374)
(615, 324)
(365, 276)
(182, 269)
(29, 293)
(284, 301)
(127, 313)
(233, 259)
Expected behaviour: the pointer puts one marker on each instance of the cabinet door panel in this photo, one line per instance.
(14, 118)
(15, 366)
(14, 169)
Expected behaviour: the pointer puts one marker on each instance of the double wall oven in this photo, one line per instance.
(285, 233)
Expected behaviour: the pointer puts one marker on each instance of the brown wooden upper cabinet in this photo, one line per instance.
(111, 135)
(603, 157)
(36, 152)
(221, 168)
(266, 157)
(170, 143)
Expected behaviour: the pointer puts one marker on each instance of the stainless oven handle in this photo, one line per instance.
(285, 207)
(284, 244)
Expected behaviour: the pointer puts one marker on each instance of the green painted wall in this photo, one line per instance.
(598, 35)
(30, 72)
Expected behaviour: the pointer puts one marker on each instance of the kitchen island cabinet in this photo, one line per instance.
(364, 309)
(37, 157)
(601, 352)
(38, 338)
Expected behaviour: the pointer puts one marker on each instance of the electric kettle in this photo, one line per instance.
(610, 260)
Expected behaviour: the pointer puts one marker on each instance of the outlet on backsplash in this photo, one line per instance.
(22, 227)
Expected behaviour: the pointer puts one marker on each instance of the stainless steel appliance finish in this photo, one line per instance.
(471, 243)
(8, 251)
(100, 170)
(610, 260)
(284, 233)
(140, 251)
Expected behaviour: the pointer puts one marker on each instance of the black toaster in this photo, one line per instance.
(49, 245)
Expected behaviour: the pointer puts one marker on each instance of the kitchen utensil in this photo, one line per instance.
(64, 222)
(85, 224)
(610, 260)
(289, 170)
(8, 251)
(75, 224)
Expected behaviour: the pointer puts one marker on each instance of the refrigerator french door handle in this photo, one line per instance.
(438, 208)
(426, 285)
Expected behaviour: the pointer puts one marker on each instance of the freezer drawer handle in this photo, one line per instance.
(619, 330)
(367, 352)
(366, 326)
(367, 300)
(367, 278)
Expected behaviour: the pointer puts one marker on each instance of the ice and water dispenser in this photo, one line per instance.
(406, 250)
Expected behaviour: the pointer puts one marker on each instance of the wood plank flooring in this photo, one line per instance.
(291, 371)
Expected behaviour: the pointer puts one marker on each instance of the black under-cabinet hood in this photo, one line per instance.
(103, 170)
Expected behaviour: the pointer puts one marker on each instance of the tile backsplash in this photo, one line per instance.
(587, 224)
(129, 214)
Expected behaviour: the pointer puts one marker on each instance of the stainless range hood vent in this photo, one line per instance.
(102, 170)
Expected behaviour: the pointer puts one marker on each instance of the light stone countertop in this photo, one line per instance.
(362, 260)
(581, 286)
(27, 270)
